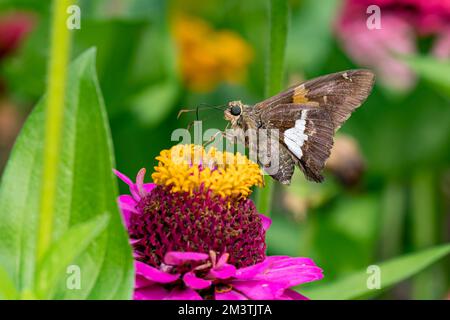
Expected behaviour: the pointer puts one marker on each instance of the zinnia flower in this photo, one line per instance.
(208, 57)
(402, 22)
(197, 235)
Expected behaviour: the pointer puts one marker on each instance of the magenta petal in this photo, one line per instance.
(127, 206)
(290, 294)
(223, 272)
(249, 273)
(183, 294)
(142, 282)
(223, 259)
(148, 187)
(175, 258)
(131, 185)
(192, 281)
(135, 241)
(260, 290)
(230, 295)
(266, 221)
(154, 274)
(127, 202)
(140, 182)
(291, 271)
(283, 270)
(123, 177)
(155, 292)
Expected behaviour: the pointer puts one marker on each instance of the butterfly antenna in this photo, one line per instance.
(198, 109)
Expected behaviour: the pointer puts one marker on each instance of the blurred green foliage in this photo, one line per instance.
(87, 228)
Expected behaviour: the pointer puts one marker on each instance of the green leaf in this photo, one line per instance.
(7, 288)
(64, 252)
(310, 42)
(433, 70)
(86, 188)
(391, 272)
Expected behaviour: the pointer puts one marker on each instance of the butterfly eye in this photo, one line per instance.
(235, 110)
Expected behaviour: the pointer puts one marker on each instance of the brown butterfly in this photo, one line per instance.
(306, 116)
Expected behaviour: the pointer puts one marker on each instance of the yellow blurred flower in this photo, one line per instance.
(207, 56)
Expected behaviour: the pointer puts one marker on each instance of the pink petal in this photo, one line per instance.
(224, 272)
(127, 202)
(148, 187)
(249, 273)
(142, 282)
(127, 206)
(183, 294)
(153, 274)
(266, 221)
(140, 182)
(291, 271)
(290, 294)
(259, 290)
(283, 270)
(175, 258)
(155, 292)
(229, 295)
(131, 185)
(223, 259)
(192, 281)
(282, 261)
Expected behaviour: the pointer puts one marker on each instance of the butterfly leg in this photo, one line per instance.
(214, 137)
(190, 124)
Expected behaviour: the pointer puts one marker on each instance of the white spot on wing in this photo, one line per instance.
(346, 77)
(295, 137)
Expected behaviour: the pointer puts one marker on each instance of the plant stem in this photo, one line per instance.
(392, 219)
(426, 285)
(278, 15)
(57, 75)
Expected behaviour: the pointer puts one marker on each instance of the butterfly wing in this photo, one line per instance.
(340, 93)
(306, 134)
(307, 115)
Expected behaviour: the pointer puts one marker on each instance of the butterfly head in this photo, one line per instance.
(234, 111)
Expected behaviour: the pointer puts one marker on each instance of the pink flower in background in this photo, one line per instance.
(441, 48)
(194, 244)
(13, 28)
(402, 21)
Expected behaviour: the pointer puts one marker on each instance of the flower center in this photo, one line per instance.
(197, 221)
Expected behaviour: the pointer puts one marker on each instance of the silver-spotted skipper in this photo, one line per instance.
(306, 116)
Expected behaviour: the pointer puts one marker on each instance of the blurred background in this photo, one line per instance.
(387, 188)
